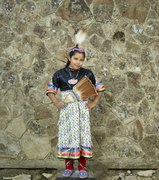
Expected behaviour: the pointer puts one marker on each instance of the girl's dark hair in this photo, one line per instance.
(73, 51)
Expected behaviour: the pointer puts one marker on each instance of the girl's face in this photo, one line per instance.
(77, 60)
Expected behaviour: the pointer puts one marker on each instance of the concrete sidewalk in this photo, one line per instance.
(52, 174)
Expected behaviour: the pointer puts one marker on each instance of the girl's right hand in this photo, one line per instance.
(59, 104)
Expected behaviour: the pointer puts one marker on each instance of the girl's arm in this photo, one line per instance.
(95, 101)
(58, 103)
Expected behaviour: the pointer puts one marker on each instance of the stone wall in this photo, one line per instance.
(122, 50)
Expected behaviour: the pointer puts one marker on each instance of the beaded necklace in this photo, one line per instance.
(74, 79)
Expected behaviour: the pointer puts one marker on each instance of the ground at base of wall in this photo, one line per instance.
(51, 174)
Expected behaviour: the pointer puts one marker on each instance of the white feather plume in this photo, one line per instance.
(80, 36)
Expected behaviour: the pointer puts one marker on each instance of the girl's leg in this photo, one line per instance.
(82, 163)
(69, 168)
(82, 167)
(69, 164)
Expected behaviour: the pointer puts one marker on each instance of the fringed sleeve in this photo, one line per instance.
(99, 86)
(53, 86)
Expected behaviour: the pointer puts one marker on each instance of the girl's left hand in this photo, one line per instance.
(90, 105)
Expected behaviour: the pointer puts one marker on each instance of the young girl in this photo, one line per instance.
(74, 136)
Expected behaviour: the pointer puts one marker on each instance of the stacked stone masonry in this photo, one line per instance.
(122, 49)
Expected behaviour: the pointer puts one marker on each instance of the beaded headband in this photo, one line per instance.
(78, 49)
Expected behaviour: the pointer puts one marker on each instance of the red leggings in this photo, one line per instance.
(69, 163)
